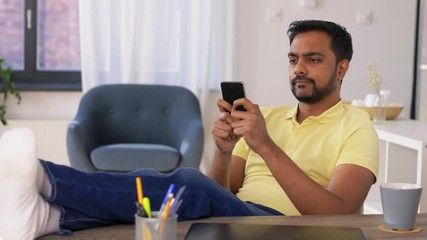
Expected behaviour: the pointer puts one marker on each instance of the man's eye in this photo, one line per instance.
(314, 60)
(292, 61)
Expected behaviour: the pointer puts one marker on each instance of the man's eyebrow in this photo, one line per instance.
(291, 54)
(307, 54)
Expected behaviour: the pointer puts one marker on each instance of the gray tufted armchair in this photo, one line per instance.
(123, 127)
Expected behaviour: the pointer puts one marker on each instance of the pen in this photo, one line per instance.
(179, 193)
(175, 206)
(165, 199)
(139, 190)
(177, 202)
(147, 207)
(165, 213)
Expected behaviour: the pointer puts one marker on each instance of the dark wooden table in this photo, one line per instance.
(368, 223)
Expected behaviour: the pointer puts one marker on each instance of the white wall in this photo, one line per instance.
(263, 46)
(44, 105)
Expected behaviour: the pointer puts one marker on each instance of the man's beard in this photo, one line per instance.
(318, 93)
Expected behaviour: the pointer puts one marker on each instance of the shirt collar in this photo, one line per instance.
(332, 112)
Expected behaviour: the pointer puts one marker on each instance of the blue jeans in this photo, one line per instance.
(88, 200)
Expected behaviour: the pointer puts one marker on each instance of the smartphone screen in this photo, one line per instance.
(232, 91)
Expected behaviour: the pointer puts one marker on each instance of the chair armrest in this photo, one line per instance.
(192, 145)
(79, 145)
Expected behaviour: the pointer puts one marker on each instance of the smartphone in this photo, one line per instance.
(232, 91)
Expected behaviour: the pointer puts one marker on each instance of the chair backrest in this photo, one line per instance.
(136, 113)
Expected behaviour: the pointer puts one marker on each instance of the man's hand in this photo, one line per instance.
(222, 132)
(250, 125)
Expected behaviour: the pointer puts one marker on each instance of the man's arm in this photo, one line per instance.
(219, 170)
(345, 193)
(226, 170)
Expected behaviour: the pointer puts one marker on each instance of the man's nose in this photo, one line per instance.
(300, 68)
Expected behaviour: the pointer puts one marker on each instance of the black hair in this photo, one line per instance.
(341, 43)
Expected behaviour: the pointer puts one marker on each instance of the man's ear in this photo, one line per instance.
(342, 68)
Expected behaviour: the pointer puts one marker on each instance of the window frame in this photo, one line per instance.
(30, 78)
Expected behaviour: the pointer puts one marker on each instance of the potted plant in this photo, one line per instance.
(7, 87)
(374, 80)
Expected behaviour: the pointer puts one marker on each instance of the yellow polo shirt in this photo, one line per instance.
(341, 135)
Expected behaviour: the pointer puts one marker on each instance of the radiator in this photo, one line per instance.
(51, 140)
(50, 137)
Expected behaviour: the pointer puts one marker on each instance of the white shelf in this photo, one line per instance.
(403, 158)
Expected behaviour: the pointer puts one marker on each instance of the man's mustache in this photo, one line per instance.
(299, 78)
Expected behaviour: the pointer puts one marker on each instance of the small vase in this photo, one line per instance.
(380, 109)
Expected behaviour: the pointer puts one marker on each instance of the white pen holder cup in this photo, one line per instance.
(155, 228)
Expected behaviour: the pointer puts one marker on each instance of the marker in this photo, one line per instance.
(147, 207)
